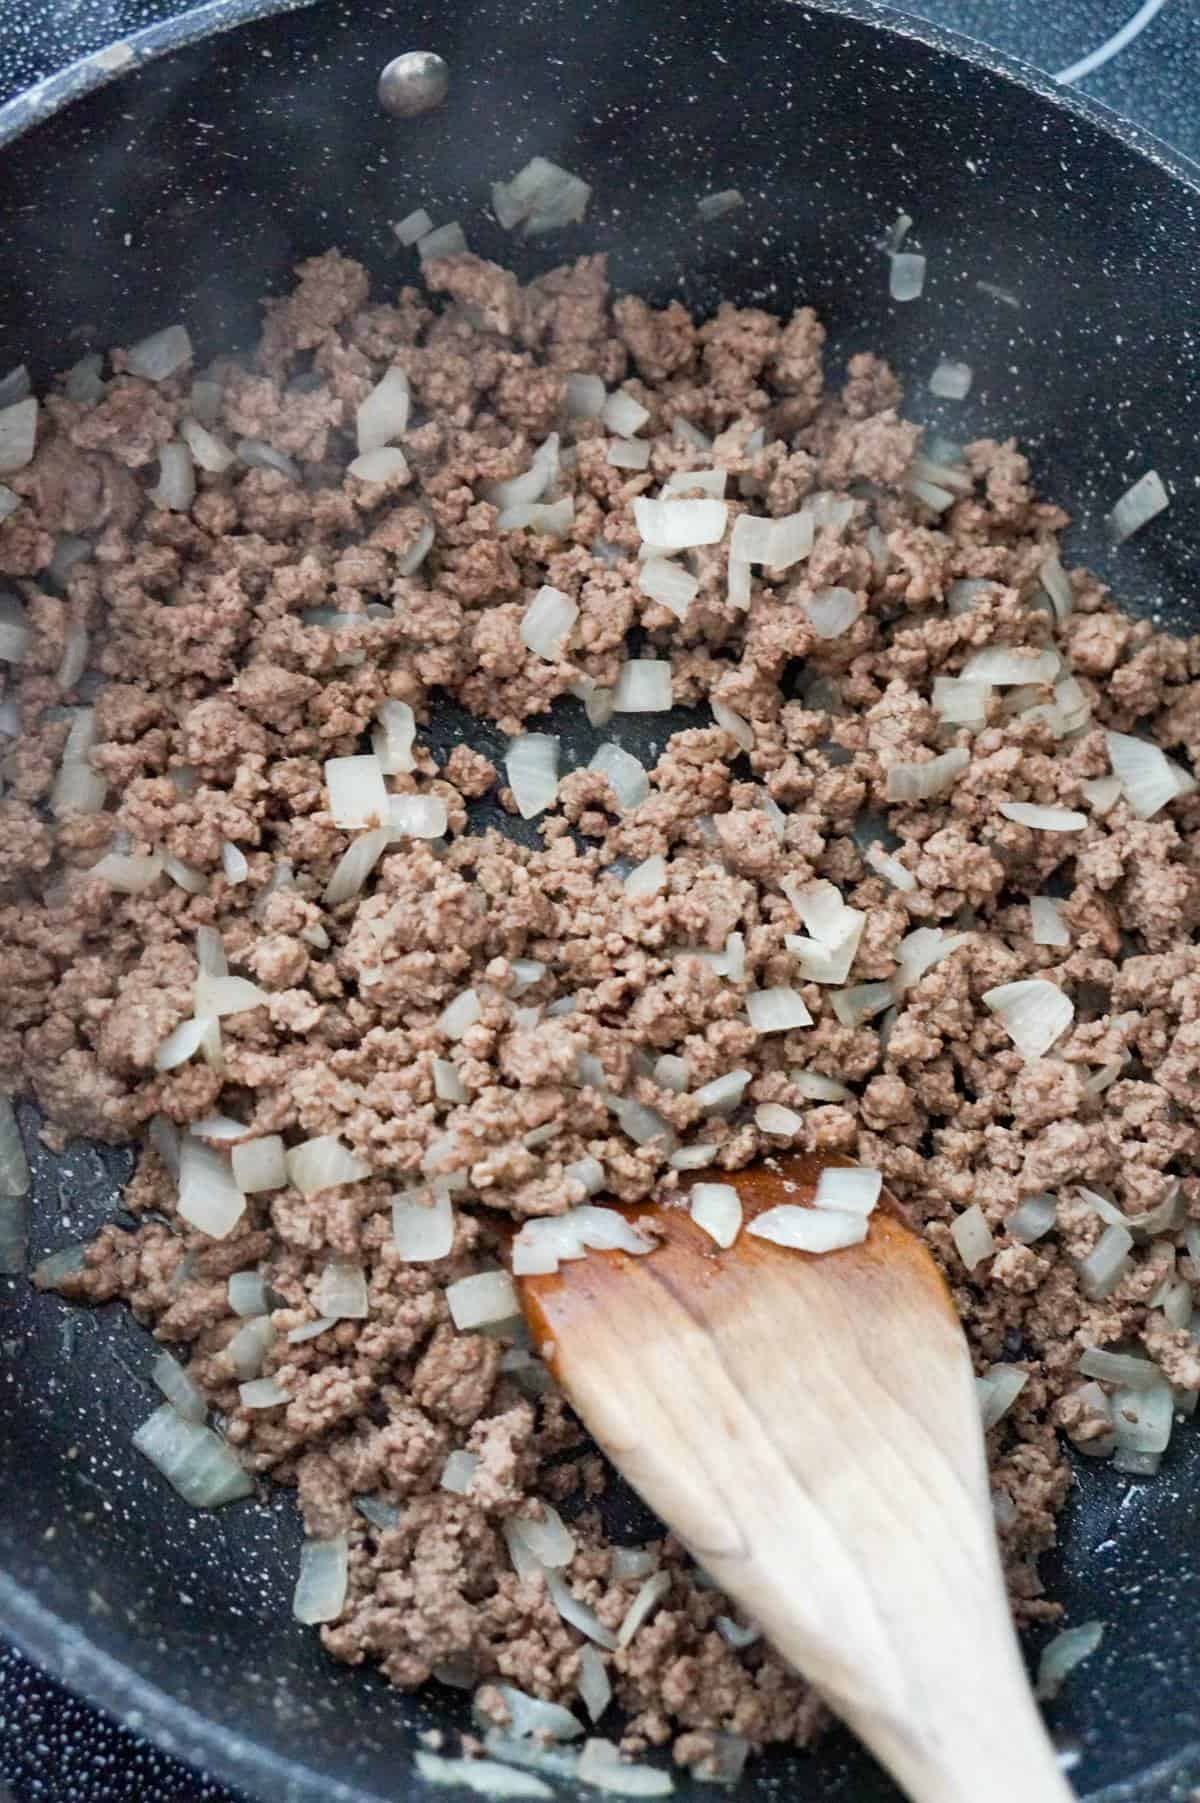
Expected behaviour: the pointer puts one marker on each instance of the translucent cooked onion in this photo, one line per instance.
(209, 1199)
(625, 775)
(256, 453)
(668, 584)
(1008, 666)
(361, 856)
(541, 197)
(14, 1166)
(820, 963)
(341, 1292)
(248, 1295)
(594, 1685)
(555, 517)
(447, 240)
(624, 415)
(643, 1605)
(890, 868)
(198, 1465)
(1143, 1418)
(484, 1776)
(447, 1084)
(250, 1345)
(320, 1593)
(393, 738)
(1124, 1368)
(809, 1229)
(1034, 1013)
(544, 1242)
(818, 1088)
(832, 611)
(233, 862)
(529, 1717)
(1106, 1264)
(951, 381)
(1033, 1220)
(972, 1236)
(738, 591)
(547, 622)
(921, 950)
(705, 482)
(1061, 1655)
(855, 1189)
(772, 1117)
(1046, 922)
(178, 1388)
(417, 552)
(643, 687)
(531, 485)
(160, 355)
(457, 1472)
(1102, 793)
(482, 1300)
(1043, 819)
(906, 279)
(862, 1002)
(921, 782)
(357, 795)
(729, 721)
(531, 766)
(639, 1123)
(717, 1209)
(723, 1093)
(692, 1158)
(18, 436)
(260, 1164)
(383, 415)
(323, 1163)
(1148, 778)
(959, 702)
(387, 464)
(577, 1613)
(998, 1390)
(677, 525)
(647, 878)
(217, 997)
(584, 396)
(413, 226)
(176, 486)
(777, 1010)
(423, 1229)
(417, 816)
(1144, 501)
(460, 1014)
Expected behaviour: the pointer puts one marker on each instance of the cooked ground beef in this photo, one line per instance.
(237, 643)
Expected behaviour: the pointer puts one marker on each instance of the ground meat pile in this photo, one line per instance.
(209, 642)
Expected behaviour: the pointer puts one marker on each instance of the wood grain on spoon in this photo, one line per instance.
(809, 1426)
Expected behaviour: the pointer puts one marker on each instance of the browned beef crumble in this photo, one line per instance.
(222, 696)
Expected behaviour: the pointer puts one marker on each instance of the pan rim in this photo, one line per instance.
(64, 1649)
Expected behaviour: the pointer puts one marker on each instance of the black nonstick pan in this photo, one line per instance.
(180, 181)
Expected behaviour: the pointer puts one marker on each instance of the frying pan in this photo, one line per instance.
(247, 136)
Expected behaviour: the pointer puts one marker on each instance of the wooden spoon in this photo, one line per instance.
(808, 1425)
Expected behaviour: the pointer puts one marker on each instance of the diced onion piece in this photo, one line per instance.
(531, 765)
(386, 464)
(217, 997)
(14, 1166)
(198, 1465)
(260, 1164)
(1106, 1264)
(1034, 1013)
(594, 1686)
(818, 1088)
(383, 415)
(1048, 925)
(854, 1189)
(320, 1593)
(457, 1472)
(777, 1010)
(587, 1171)
(248, 1296)
(1055, 581)
(541, 197)
(178, 1388)
(1033, 1220)
(678, 525)
(362, 854)
(890, 868)
(422, 1231)
(626, 776)
(417, 816)
(643, 687)
(530, 1719)
(74, 656)
(999, 1390)
(832, 611)
(907, 277)
(717, 1209)
(809, 1229)
(1043, 819)
(556, 517)
(341, 1292)
(921, 950)
(1061, 1655)
(357, 794)
(257, 454)
(9, 501)
(526, 972)
(250, 1346)
(584, 396)
(160, 355)
(707, 482)
(393, 738)
(15, 386)
(484, 1776)
(644, 1603)
(18, 436)
(961, 702)
(481, 1300)
(672, 1073)
(772, 1117)
(547, 621)
(233, 862)
(218, 1126)
(921, 782)
(413, 226)
(624, 415)
(447, 1084)
(209, 1199)
(722, 1094)
(730, 721)
(1009, 666)
(791, 539)
(1143, 1417)
(532, 484)
(183, 875)
(647, 878)
(323, 1163)
(821, 963)
(862, 1002)
(951, 381)
(1148, 778)
(544, 1242)
(1103, 793)
(1124, 1368)
(1146, 499)
(716, 206)
(417, 552)
(738, 589)
(639, 1123)
(577, 1613)
(972, 1236)
(176, 487)
(180, 1045)
(668, 584)
(548, 1539)
(460, 1014)
(601, 1765)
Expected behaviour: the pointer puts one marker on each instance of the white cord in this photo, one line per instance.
(1096, 59)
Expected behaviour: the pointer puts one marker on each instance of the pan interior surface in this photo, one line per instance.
(186, 190)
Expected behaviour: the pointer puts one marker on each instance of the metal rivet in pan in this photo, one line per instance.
(413, 83)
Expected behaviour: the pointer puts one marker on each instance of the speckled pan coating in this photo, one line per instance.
(185, 188)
